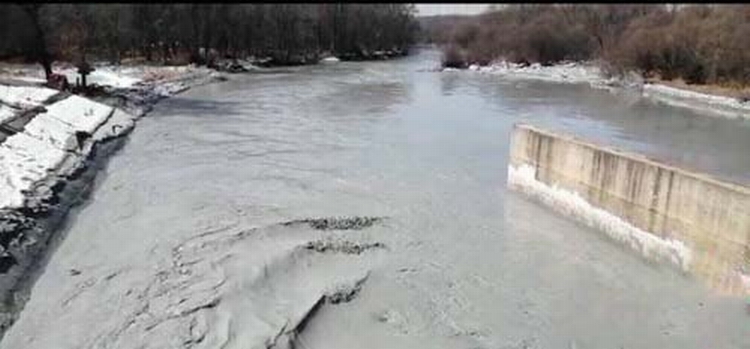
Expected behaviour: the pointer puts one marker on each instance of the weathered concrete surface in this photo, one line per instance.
(711, 217)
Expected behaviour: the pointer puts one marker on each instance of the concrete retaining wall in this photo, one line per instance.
(707, 219)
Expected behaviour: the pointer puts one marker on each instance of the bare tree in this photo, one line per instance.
(291, 33)
(38, 49)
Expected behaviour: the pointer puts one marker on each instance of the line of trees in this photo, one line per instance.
(698, 43)
(180, 33)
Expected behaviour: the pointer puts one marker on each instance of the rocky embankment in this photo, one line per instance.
(52, 144)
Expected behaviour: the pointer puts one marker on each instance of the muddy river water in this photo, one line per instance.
(196, 237)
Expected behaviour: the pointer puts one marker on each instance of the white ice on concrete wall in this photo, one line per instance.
(649, 245)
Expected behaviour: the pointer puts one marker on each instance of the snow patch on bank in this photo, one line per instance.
(30, 79)
(167, 81)
(523, 178)
(104, 76)
(330, 59)
(79, 113)
(575, 73)
(590, 73)
(25, 97)
(6, 113)
(24, 160)
(119, 123)
(46, 141)
(726, 106)
(163, 77)
(155, 83)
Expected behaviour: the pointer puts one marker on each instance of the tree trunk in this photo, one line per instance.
(47, 65)
(40, 47)
(195, 53)
(165, 53)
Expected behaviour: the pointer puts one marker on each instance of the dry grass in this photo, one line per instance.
(159, 74)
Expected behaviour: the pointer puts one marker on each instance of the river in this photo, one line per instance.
(193, 237)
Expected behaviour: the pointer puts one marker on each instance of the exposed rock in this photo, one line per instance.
(344, 223)
(345, 293)
(346, 247)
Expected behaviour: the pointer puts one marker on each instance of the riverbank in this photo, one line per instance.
(723, 102)
(195, 238)
(53, 143)
(43, 182)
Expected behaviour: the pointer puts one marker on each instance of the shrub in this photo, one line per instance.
(452, 58)
(699, 43)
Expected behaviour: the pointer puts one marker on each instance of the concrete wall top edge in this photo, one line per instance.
(637, 157)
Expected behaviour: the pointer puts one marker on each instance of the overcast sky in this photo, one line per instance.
(450, 9)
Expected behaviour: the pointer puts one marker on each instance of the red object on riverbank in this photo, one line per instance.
(58, 82)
